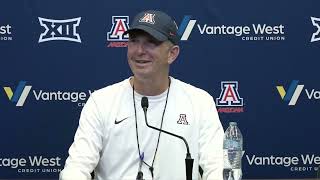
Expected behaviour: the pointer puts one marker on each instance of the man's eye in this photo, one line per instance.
(154, 42)
(132, 40)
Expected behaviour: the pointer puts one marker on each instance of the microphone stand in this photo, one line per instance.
(140, 174)
(188, 160)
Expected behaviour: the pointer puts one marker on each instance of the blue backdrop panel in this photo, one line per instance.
(259, 59)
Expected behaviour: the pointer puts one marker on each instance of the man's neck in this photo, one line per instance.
(150, 87)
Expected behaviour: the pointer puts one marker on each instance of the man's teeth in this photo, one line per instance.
(142, 61)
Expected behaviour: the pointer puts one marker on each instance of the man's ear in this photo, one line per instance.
(173, 53)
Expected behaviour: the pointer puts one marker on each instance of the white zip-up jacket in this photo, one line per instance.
(106, 139)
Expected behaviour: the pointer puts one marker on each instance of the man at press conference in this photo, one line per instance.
(115, 138)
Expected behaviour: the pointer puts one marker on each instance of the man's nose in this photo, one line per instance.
(140, 48)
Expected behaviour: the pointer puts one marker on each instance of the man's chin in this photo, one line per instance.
(142, 75)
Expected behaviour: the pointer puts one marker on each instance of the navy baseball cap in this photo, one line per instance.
(156, 23)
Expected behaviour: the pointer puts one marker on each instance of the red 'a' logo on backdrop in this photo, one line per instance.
(120, 24)
(229, 100)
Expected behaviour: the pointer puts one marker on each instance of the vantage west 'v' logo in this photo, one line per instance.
(20, 94)
(186, 27)
(22, 91)
(292, 93)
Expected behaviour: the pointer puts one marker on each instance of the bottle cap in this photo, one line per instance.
(233, 123)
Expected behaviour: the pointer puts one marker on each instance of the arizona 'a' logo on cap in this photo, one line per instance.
(148, 18)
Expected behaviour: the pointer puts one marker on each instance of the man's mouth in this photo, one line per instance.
(142, 61)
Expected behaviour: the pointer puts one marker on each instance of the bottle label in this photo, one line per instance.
(226, 162)
(232, 158)
(232, 144)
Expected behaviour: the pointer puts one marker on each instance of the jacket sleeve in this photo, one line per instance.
(210, 141)
(84, 153)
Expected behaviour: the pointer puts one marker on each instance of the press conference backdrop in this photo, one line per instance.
(258, 59)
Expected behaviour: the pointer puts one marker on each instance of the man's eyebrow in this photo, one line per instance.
(132, 35)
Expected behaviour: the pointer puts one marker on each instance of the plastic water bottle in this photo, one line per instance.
(232, 153)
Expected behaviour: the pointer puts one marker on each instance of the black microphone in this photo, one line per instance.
(188, 160)
(139, 176)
